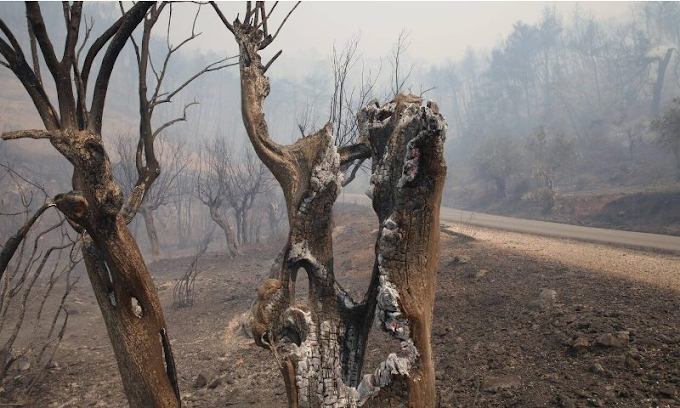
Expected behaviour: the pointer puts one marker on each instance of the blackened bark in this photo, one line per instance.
(121, 282)
(320, 344)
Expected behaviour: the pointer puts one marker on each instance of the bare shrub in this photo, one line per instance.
(35, 286)
(183, 294)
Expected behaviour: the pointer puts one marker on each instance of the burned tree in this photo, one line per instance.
(249, 179)
(276, 217)
(667, 129)
(183, 204)
(95, 207)
(142, 196)
(213, 188)
(321, 345)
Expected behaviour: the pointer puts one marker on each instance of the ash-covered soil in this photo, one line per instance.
(520, 321)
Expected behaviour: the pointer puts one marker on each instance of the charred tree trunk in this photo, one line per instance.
(134, 322)
(147, 214)
(120, 279)
(222, 222)
(121, 282)
(320, 344)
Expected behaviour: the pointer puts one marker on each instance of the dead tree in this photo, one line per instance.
(399, 77)
(658, 84)
(249, 178)
(146, 163)
(213, 187)
(276, 216)
(321, 345)
(96, 207)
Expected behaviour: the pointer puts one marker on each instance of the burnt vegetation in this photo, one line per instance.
(196, 164)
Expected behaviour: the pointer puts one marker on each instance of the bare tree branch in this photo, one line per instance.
(352, 174)
(88, 31)
(183, 118)
(32, 134)
(72, 31)
(269, 40)
(13, 242)
(33, 85)
(349, 154)
(215, 66)
(133, 17)
(222, 17)
(271, 61)
(34, 52)
(35, 18)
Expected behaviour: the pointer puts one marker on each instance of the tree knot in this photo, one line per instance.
(73, 205)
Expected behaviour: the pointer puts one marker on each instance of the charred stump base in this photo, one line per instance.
(320, 345)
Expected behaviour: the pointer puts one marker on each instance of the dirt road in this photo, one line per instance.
(609, 236)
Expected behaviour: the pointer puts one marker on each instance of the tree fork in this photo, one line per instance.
(328, 335)
(119, 277)
(320, 344)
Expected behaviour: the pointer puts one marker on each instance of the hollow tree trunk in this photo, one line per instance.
(322, 343)
(147, 214)
(232, 247)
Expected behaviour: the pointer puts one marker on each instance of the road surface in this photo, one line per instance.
(608, 236)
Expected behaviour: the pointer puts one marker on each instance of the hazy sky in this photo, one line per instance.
(439, 30)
